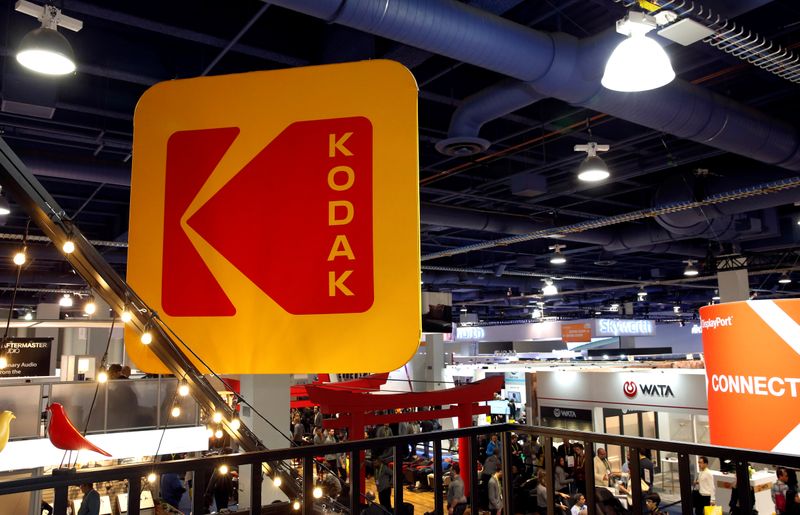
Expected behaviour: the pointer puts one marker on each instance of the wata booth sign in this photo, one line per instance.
(752, 354)
(275, 218)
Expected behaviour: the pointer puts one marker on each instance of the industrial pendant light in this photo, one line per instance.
(549, 288)
(784, 279)
(45, 50)
(557, 258)
(5, 208)
(593, 168)
(638, 63)
(691, 270)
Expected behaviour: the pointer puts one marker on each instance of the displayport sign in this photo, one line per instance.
(275, 218)
(752, 355)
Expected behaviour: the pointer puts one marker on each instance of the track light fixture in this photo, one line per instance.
(65, 301)
(549, 288)
(593, 168)
(691, 270)
(638, 63)
(45, 50)
(557, 258)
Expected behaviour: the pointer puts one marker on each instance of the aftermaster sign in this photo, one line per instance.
(27, 357)
(279, 210)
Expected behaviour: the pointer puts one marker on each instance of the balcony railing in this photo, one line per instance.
(202, 467)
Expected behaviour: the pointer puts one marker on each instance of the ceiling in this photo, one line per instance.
(524, 182)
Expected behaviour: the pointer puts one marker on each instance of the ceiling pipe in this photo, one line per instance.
(561, 66)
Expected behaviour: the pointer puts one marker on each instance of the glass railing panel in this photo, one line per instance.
(78, 400)
(132, 404)
(25, 402)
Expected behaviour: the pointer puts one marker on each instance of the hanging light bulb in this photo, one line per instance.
(183, 388)
(19, 258)
(784, 279)
(236, 424)
(102, 376)
(557, 258)
(296, 505)
(210, 432)
(277, 481)
(549, 288)
(68, 247)
(151, 477)
(126, 316)
(90, 307)
(218, 434)
(593, 168)
(691, 270)
(176, 411)
(147, 337)
(638, 63)
(317, 492)
(216, 417)
(223, 469)
(65, 301)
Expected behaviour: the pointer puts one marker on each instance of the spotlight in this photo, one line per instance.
(557, 258)
(593, 168)
(784, 279)
(65, 301)
(5, 208)
(236, 424)
(68, 247)
(19, 258)
(638, 63)
(90, 307)
(183, 388)
(691, 270)
(549, 288)
(45, 50)
(102, 376)
(317, 492)
(217, 417)
(223, 469)
(176, 411)
(151, 477)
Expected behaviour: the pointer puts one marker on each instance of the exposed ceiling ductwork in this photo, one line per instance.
(560, 66)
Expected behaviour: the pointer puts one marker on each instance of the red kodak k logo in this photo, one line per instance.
(296, 220)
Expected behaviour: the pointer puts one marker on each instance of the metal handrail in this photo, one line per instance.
(305, 454)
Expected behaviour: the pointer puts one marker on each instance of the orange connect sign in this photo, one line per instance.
(275, 219)
(752, 354)
(576, 333)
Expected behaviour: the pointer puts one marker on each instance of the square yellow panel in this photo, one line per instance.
(275, 218)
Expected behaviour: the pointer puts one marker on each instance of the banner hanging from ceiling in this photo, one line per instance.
(275, 218)
(752, 354)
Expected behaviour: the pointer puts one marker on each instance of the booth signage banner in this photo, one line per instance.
(576, 333)
(624, 327)
(566, 413)
(275, 218)
(752, 355)
(27, 357)
(651, 390)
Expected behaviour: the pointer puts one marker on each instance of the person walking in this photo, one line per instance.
(705, 487)
(779, 489)
(91, 500)
(383, 483)
(495, 493)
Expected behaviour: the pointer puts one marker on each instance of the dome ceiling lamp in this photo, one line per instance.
(593, 168)
(638, 63)
(45, 50)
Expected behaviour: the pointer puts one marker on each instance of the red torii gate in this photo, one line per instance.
(354, 410)
(299, 393)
